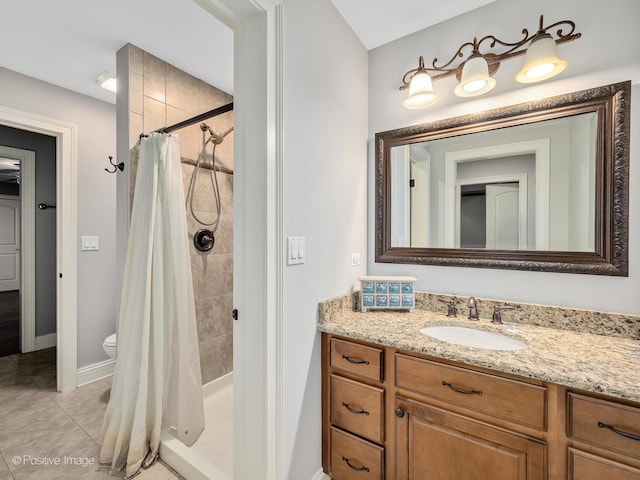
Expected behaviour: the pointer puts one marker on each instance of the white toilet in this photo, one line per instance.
(109, 346)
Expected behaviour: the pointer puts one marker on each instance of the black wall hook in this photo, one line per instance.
(119, 166)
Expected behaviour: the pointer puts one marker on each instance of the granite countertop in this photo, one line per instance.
(596, 363)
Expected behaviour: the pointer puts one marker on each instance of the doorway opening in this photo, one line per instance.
(17, 243)
(10, 264)
(61, 244)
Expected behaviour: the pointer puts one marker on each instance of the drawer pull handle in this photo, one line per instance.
(619, 432)
(355, 467)
(460, 390)
(355, 361)
(353, 410)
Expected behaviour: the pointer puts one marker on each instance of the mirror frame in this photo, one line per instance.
(612, 105)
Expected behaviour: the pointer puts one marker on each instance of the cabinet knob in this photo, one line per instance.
(399, 412)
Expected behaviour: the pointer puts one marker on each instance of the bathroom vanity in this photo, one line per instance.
(398, 404)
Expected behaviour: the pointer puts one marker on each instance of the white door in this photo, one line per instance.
(9, 244)
(503, 217)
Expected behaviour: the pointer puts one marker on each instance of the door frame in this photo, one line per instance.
(540, 148)
(27, 198)
(66, 236)
(258, 411)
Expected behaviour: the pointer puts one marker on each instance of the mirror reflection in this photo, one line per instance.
(522, 187)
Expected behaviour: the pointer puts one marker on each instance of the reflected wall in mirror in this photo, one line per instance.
(537, 186)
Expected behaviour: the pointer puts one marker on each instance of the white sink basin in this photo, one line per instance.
(471, 337)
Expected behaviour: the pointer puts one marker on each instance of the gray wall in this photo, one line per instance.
(324, 200)
(96, 140)
(44, 147)
(604, 27)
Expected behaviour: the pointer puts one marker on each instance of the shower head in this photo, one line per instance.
(217, 138)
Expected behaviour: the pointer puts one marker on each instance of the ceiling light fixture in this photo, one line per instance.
(107, 81)
(475, 72)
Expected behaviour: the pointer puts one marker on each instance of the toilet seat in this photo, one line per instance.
(110, 347)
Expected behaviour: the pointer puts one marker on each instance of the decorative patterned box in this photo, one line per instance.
(391, 293)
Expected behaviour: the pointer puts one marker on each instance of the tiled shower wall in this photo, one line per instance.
(160, 94)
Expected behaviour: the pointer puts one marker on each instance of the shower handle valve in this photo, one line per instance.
(203, 240)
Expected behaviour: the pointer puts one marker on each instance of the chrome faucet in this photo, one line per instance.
(473, 309)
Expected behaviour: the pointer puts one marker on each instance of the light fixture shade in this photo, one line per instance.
(541, 61)
(475, 79)
(421, 92)
(108, 82)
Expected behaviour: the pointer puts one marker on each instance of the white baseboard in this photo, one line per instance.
(46, 341)
(320, 475)
(218, 384)
(96, 371)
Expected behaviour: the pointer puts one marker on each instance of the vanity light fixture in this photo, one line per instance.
(541, 61)
(475, 78)
(107, 81)
(421, 92)
(475, 72)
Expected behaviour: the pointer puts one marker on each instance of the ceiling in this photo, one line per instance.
(69, 43)
(377, 22)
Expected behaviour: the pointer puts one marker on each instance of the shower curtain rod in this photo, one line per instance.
(193, 120)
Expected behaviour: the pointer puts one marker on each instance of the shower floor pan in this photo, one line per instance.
(212, 454)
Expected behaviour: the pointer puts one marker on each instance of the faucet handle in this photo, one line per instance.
(451, 303)
(497, 317)
(473, 308)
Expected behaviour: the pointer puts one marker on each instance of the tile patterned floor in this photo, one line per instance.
(39, 425)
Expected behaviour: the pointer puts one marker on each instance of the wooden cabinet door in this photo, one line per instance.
(433, 444)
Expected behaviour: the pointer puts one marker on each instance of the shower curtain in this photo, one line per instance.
(157, 380)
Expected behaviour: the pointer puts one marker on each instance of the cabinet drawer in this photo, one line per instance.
(358, 408)
(500, 397)
(357, 359)
(354, 459)
(583, 466)
(588, 419)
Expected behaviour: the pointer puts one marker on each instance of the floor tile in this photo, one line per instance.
(79, 465)
(20, 397)
(36, 427)
(41, 362)
(12, 378)
(46, 382)
(40, 425)
(86, 406)
(157, 472)
(5, 473)
(40, 451)
(6, 365)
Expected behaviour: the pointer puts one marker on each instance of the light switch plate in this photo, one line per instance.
(90, 243)
(296, 250)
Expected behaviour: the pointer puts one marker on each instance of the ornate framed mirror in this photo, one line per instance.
(535, 186)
